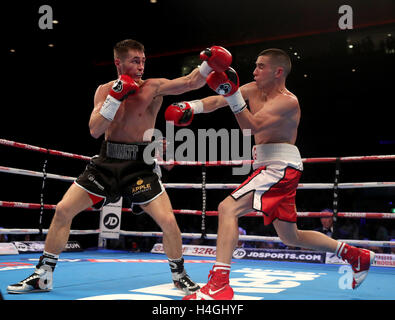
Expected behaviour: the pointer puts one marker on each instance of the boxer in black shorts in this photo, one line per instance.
(120, 170)
(125, 111)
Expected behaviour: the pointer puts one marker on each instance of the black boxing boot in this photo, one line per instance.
(180, 277)
(40, 280)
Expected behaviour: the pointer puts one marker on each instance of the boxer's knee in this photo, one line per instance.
(291, 239)
(222, 208)
(63, 213)
(226, 208)
(168, 223)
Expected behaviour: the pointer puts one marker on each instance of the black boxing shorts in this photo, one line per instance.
(120, 170)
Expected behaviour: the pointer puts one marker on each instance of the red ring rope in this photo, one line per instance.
(198, 163)
(368, 215)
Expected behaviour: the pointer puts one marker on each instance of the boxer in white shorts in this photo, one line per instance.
(273, 118)
(273, 184)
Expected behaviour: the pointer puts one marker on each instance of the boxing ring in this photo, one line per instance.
(265, 274)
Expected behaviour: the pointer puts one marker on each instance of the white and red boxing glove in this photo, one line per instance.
(182, 113)
(227, 84)
(215, 58)
(123, 87)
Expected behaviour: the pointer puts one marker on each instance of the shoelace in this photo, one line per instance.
(186, 280)
(214, 281)
(213, 273)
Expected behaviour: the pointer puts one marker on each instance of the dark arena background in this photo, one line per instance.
(342, 73)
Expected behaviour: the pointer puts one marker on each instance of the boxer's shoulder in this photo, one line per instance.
(105, 87)
(102, 91)
(287, 100)
(248, 89)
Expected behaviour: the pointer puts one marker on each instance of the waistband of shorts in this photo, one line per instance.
(264, 154)
(123, 151)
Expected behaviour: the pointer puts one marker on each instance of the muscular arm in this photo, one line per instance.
(177, 86)
(213, 103)
(269, 117)
(97, 123)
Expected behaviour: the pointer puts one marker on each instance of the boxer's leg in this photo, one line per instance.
(360, 259)
(161, 211)
(74, 201)
(229, 211)
(291, 236)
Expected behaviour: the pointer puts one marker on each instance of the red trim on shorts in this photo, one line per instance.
(280, 198)
(95, 199)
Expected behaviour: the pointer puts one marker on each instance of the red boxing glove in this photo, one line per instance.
(215, 58)
(227, 84)
(121, 89)
(224, 83)
(218, 58)
(180, 113)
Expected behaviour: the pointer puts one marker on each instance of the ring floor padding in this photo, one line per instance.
(121, 275)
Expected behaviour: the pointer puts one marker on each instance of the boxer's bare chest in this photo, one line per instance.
(136, 115)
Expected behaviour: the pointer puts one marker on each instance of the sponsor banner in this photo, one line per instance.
(249, 253)
(381, 260)
(38, 246)
(110, 220)
(189, 250)
(384, 260)
(8, 248)
(279, 255)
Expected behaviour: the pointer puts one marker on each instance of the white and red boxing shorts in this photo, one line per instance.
(277, 170)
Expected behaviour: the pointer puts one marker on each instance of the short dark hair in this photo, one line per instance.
(122, 47)
(279, 58)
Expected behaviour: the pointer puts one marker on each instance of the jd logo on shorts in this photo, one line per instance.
(111, 221)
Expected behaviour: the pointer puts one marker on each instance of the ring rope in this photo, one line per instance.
(35, 173)
(367, 215)
(213, 236)
(45, 231)
(308, 186)
(42, 150)
(199, 163)
(336, 160)
(209, 236)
